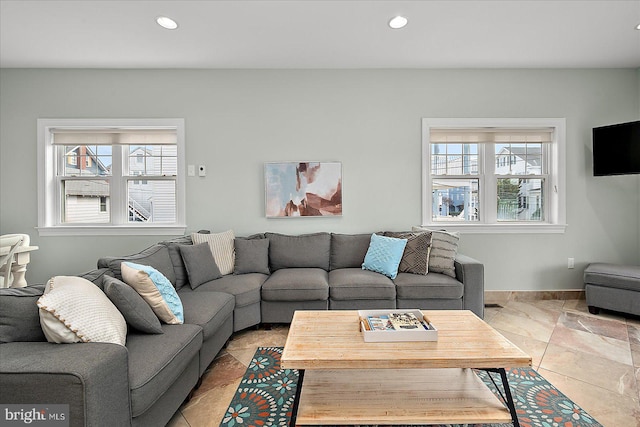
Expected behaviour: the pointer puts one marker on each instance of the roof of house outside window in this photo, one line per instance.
(86, 188)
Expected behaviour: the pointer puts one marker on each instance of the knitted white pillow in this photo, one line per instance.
(73, 309)
(222, 248)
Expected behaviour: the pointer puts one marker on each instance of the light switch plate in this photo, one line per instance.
(191, 170)
(202, 170)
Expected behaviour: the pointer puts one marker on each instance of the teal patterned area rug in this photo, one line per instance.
(266, 392)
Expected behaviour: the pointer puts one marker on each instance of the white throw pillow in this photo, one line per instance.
(222, 248)
(73, 309)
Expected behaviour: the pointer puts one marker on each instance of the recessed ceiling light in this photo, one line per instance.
(638, 27)
(398, 22)
(166, 22)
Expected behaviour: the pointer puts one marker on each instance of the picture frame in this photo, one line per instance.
(303, 189)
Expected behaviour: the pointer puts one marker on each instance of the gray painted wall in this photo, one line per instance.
(368, 119)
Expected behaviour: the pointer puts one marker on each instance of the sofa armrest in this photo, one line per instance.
(92, 378)
(470, 273)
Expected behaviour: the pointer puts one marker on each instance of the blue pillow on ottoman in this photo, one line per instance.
(384, 255)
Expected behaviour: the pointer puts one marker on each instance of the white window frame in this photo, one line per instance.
(554, 198)
(49, 221)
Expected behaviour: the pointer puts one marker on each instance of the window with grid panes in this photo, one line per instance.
(91, 180)
(493, 174)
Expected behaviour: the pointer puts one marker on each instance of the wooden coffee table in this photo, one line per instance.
(344, 380)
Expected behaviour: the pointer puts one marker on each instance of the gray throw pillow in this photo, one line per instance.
(252, 256)
(179, 269)
(19, 316)
(182, 278)
(134, 309)
(200, 264)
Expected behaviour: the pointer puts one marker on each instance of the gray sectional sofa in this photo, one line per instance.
(144, 382)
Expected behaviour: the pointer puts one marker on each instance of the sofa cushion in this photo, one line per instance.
(415, 258)
(97, 276)
(244, 287)
(384, 255)
(135, 310)
(209, 310)
(19, 317)
(156, 362)
(297, 284)
(303, 251)
(359, 284)
(430, 286)
(348, 250)
(181, 240)
(252, 256)
(221, 247)
(201, 267)
(73, 309)
(156, 256)
(156, 290)
(613, 276)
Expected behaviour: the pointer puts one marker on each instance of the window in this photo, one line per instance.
(103, 203)
(106, 176)
(494, 175)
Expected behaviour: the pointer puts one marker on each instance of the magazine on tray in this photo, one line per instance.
(403, 321)
(379, 323)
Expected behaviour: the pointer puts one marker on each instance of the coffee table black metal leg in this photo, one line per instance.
(296, 399)
(507, 397)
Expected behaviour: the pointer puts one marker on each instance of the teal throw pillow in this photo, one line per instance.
(156, 290)
(384, 255)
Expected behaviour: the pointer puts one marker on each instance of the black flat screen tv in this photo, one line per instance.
(616, 149)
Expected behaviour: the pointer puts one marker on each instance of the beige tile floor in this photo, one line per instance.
(594, 360)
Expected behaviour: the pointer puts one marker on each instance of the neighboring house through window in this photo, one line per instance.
(90, 176)
(494, 175)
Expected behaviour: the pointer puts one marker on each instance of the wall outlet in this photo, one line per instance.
(202, 170)
(571, 263)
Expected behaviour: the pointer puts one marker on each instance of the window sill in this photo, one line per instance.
(504, 228)
(112, 230)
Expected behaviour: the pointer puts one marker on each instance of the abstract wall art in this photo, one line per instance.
(303, 189)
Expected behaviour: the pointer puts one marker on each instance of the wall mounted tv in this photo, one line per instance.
(616, 149)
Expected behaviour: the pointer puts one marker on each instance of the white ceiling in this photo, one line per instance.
(320, 34)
